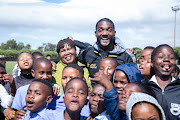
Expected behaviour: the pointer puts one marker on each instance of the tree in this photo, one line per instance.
(28, 46)
(20, 46)
(11, 44)
(50, 47)
(3, 46)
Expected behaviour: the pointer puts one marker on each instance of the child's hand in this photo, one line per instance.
(8, 113)
(8, 78)
(55, 91)
(103, 79)
(20, 114)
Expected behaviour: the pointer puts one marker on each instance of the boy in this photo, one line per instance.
(25, 63)
(69, 72)
(3, 61)
(108, 63)
(76, 92)
(96, 104)
(39, 94)
(145, 63)
(42, 69)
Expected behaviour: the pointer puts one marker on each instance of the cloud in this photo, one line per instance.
(139, 22)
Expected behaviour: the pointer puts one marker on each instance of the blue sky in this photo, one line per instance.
(138, 23)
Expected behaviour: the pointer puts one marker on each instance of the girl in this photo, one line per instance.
(166, 88)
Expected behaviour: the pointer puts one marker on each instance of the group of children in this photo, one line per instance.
(121, 92)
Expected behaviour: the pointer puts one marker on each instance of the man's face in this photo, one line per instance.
(2, 72)
(105, 34)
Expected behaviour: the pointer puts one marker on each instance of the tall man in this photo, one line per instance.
(107, 45)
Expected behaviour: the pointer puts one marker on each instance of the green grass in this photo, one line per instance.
(9, 66)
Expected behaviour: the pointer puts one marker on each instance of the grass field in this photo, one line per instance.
(9, 66)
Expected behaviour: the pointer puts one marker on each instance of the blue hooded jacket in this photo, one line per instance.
(111, 97)
(131, 70)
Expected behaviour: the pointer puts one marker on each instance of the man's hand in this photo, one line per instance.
(20, 114)
(8, 113)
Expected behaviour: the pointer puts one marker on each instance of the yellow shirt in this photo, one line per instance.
(58, 75)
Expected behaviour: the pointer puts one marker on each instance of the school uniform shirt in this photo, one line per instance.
(60, 106)
(19, 102)
(169, 99)
(44, 114)
(5, 98)
(60, 116)
(103, 116)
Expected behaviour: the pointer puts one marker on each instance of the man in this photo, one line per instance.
(107, 45)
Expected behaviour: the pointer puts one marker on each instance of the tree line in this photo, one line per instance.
(11, 49)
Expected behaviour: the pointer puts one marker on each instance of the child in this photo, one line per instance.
(145, 63)
(142, 106)
(96, 104)
(39, 94)
(69, 72)
(42, 69)
(5, 98)
(67, 52)
(36, 55)
(124, 74)
(76, 92)
(25, 63)
(166, 87)
(108, 63)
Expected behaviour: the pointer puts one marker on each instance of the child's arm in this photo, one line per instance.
(110, 95)
(9, 78)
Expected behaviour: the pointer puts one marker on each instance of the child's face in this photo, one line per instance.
(75, 96)
(145, 62)
(96, 100)
(107, 65)
(37, 96)
(129, 89)
(25, 61)
(67, 54)
(145, 111)
(164, 61)
(2, 72)
(120, 81)
(43, 70)
(69, 73)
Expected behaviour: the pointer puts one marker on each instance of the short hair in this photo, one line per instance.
(114, 60)
(41, 60)
(77, 67)
(61, 44)
(1, 65)
(155, 50)
(35, 54)
(48, 84)
(107, 20)
(76, 78)
(149, 47)
(24, 52)
(48, 55)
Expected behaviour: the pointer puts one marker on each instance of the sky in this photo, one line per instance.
(138, 23)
